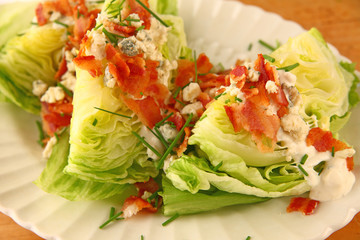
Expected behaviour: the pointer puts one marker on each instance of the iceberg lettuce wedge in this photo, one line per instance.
(323, 84)
(29, 57)
(54, 181)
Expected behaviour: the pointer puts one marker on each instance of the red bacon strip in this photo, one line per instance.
(89, 63)
(305, 205)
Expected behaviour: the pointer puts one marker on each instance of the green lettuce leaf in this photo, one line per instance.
(323, 84)
(184, 202)
(164, 6)
(103, 147)
(54, 181)
(24, 59)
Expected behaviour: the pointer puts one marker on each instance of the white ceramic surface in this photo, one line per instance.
(224, 30)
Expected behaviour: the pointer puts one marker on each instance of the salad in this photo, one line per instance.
(148, 118)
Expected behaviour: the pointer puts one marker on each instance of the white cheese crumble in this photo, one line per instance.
(97, 46)
(39, 87)
(69, 80)
(109, 80)
(164, 71)
(146, 195)
(130, 210)
(271, 87)
(49, 146)
(168, 132)
(192, 108)
(135, 16)
(53, 94)
(150, 138)
(191, 92)
(295, 125)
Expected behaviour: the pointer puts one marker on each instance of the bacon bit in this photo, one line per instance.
(239, 74)
(149, 186)
(144, 15)
(146, 109)
(89, 63)
(62, 69)
(134, 204)
(184, 144)
(204, 98)
(254, 119)
(305, 205)
(324, 141)
(44, 10)
(159, 92)
(203, 64)
(40, 15)
(212, 81)
(177, 119)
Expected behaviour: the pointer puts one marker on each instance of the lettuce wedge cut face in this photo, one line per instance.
(54, 181)
(24, 59)
(323, 84)
(102, 146)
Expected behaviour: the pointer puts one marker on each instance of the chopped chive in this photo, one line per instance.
(333, 151)
(185, 85)
(203, 74)
(196, 70)
(265, 44)
(112, 212)
(100, 1)
(172, 144)
(141, 93)
(118, 114)
(227, 101)
(180, 102)
(170, 219)
(289, 68)
(304, 158)
(62, 114)
(98, 26)
(152, 13)
(303, 170)
(65, 89)
(113, 218)
(217, 166)
(57, 137)
(202, 117)
(107, 7)
(269, 58)
(251, 87)
(248, 238)
(163, 120)
(238, 99)
(94, 122)
(250, 47)
(20, 34)
(217, 96)
(60, 23)
(161, 138)
(41, 133)
(132, 19)
(146, 144)
(140, 28)
(142, 237)
(34, 23)
(153, 196)
(110, 36)
(156, 202)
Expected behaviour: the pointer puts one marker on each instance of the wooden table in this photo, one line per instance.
(339, 22)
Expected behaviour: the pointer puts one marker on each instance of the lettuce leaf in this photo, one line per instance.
(103, 147)
(164, 6)
(323, 84)
(54, 181)
(184, 202)
(24, 59)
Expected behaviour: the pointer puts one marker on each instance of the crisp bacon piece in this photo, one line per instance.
(184, 144)
(305, 205)
(159, 92)
(146, 109)
(324, 141)
(144, 15)
(254, 119)
(44, 10)
(238, 75)
(89, 63)
(62, 69)
(177, 119)
(149, 186)
(212, 81)
(40, 15)
(134, 204)
(204, 98)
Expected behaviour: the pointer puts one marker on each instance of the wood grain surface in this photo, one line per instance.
(339, 22)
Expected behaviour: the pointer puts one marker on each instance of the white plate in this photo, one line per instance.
(224, 30)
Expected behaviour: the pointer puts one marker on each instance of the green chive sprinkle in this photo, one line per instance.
(227, 101)
(65, 89)
(251, 87)
(152, 13)
(289, 68)
(161, 138)
(303, 170)
(171, 219)
(94, 122)
(112, 1)
(140, 28)
(34, 23)
(146, 144)
(153, 196)
(118, 114)
(238, 99)
(180, 102)
(142, 237)
(250, 47)
(333, 151)
(98, 26)
(41, 133)
(60, 23)
(172, 144)
(269, 58)
(265, 44)
(164, 119)
(57, 137)
(112, 212)
(111, 219)
(217, 96)
(110, 36)
(304, 158)
(248, 238)
(217, 166)
(202, 117)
